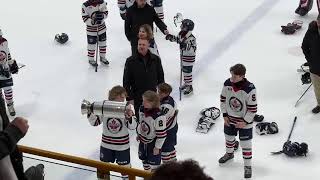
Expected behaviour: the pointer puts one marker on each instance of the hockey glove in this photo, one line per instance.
(183, 46)
(14, 68)
(4, 71)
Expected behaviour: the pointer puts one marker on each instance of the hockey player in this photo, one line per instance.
(305, 6)
(8, 66)
(239, 106)
(93, 14)
(145, 32)
(169, 109)
(151, 131)
(188, 47)
(125, 4)
(115, 144)
(158, 7)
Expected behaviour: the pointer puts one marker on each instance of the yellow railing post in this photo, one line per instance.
(132, 173)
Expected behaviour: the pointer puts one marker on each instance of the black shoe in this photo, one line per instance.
(104, 60)
(226, 157)
(316, 110)
(247, 172)
(93, 63)
(188, 90)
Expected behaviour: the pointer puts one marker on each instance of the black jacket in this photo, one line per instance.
(141, 75)
(9, 136)
(139, 16)
(311, 47)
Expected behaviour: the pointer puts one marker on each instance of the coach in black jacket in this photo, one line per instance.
(143, 71)
(138, 14)
(311, 50)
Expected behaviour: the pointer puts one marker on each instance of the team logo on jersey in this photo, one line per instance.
(235, 104)
(114, 125)
(145, 128)
(3, 56)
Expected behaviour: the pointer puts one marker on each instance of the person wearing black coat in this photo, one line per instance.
(138, 14)
(143, 71)
(311, 50)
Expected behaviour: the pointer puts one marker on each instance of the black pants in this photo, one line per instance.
(134, 46)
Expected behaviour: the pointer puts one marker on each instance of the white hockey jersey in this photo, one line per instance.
(5, 59)
(239, 103)
(152, 126)
(168, 108)
(89, 11)
(115, 134)
(188, 53)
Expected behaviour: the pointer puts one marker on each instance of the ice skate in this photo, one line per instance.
(188, 90)
(226, 157)
(93, 63)
(247, 172)
(11, 109)
(104, 60)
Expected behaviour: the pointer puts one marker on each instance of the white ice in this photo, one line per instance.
(49, 90)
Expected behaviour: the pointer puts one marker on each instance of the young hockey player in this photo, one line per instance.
(238, 106)
(169, 109)
(145, 32)
(151, 131)
(93, 14)
(188, 48)
(8, 66)
(115, 144)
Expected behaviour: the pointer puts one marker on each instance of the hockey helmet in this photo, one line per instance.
(211, 112)
(63, 38)
(187, 25)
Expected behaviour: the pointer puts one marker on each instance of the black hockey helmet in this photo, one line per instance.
(187, 24)
(63, 38)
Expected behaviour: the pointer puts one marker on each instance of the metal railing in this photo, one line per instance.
(101, 166)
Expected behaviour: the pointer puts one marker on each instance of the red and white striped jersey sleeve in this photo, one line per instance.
(251, 106)
(85, 16)
(161, 133)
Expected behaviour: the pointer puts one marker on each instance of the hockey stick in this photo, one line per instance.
(97, 49)
(302, 95)
(180, 86)
(292, 127)
(21, 65)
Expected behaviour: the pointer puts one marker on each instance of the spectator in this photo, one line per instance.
(10, 134)
(145, 32)
(180, 170)
(142, 72)
(138, 14)
(311, 51)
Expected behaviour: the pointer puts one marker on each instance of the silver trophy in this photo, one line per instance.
(112, 108)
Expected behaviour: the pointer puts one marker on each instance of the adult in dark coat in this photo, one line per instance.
(138, 14)
(311, 50)
(143, 71)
